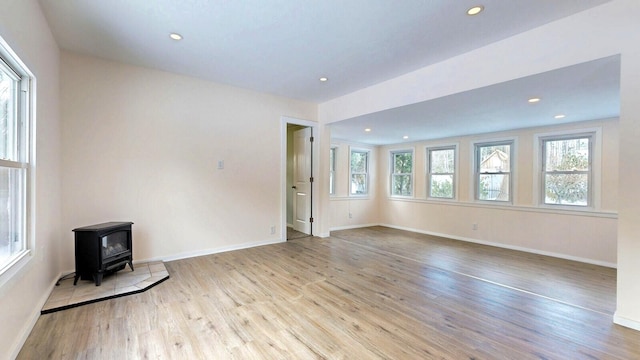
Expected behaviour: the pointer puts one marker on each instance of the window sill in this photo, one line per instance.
(511, 207)
(11, 270)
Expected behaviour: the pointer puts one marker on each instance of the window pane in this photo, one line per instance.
(8, 121)
(567, 155)
(494, 187)
(441, 186)
(332, 169)
(332, 159)
(12, 187)
(332, 180)
(566, 171)
(358, 162)
(567, 189)
(358, 184)
(495, 158)
(402, 163)
(401, 185)
(442, 161)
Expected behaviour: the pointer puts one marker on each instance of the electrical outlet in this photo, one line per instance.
(474, 226)
(220, 164)
(273, 230)
(350, 216)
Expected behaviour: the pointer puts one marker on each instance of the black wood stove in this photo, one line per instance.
(102, 249)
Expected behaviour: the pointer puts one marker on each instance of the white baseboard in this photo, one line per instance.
(510, 247)
(349, 227)
(632, 324)
(222, 249)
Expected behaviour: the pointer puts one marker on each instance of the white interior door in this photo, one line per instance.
(302, 179)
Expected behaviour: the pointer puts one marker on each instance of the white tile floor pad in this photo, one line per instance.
(121, 283)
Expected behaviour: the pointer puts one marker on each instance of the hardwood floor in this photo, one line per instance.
(361, 294)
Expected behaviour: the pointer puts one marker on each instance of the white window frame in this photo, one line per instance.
(392, 154)
(476, 169)
(332, 170)
(596, 172)
(428, 151)
(366, 173)
(12, 64)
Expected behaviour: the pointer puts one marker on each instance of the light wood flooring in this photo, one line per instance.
(373, 293)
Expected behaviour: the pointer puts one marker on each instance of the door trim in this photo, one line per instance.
(284, 120)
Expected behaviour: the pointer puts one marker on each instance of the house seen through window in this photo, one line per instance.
(493, 171)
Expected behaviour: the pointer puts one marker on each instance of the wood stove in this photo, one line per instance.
(102, 249)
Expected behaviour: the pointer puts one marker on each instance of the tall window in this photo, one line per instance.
(332, 171)
(14, 160)
(359, 172)
(493, 171)
(566, 170)
(441, 172)
(401, 173)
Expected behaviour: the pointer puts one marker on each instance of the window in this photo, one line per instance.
(401, 173)
(14, 159)
(441, 172)
(566, 170)
(493, 163)
(359, 172)
(332, 171)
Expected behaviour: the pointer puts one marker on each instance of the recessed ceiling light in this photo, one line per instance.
(559, 116)
(367, 130)
(534, 100)
(175, 36)
(475, 10)
(405, 137)
(324, 79)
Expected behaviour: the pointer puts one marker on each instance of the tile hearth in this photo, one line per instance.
(122, 283)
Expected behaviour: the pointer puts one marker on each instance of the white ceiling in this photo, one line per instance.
(581, 92)
(283, 47)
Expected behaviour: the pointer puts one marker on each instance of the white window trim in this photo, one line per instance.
(368, 175)
(513, 171)
(596, 168)
(28, 92)
(413, 170)
(456, 168)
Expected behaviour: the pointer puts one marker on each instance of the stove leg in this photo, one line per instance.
(98, 278)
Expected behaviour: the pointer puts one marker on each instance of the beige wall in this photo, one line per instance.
(523, 225)
(606, 30)
(24, 28)
(143, 145)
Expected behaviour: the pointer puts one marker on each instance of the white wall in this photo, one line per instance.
(609, 29)
(588, 236)
(628, 311)
(142, 145)
(24, 28)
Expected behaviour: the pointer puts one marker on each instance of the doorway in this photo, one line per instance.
(299, 181)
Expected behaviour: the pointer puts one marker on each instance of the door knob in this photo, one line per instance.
(294, 187)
